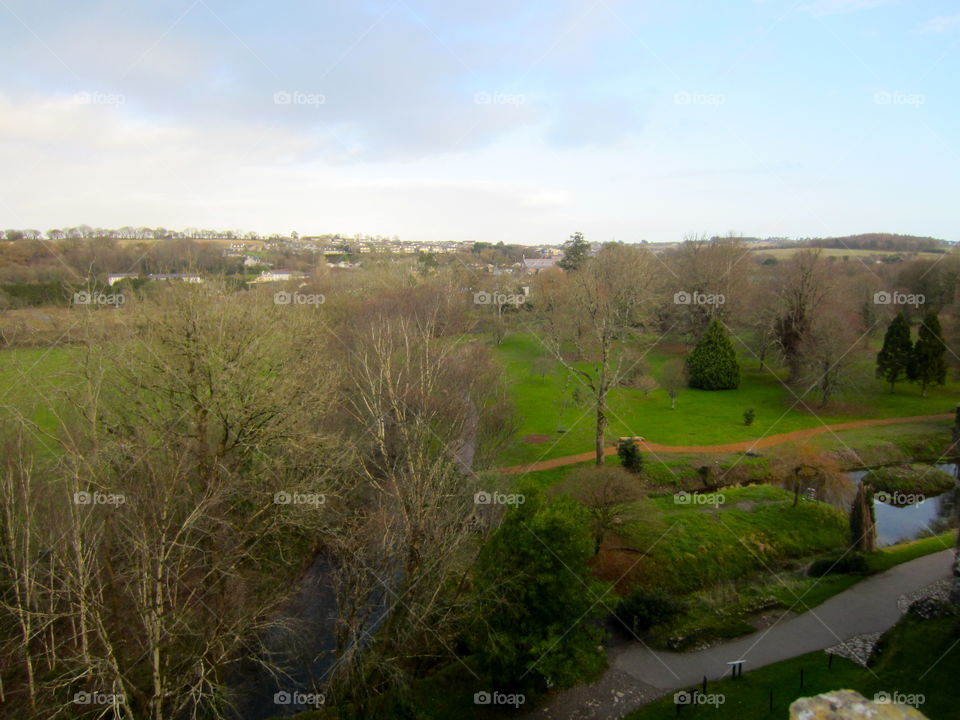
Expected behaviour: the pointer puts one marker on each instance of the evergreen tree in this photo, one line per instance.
(893, 360)
(927, 363)
(539, 619)
(630, 456)
(713, 363)
(576, 250)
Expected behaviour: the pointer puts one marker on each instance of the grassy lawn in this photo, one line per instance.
(916, 657)
(545, 404)
(31, 380)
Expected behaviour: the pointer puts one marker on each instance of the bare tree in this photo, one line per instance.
(804, 287)
(610, 294)
(713, 275)
(829, 350)
(426, 413)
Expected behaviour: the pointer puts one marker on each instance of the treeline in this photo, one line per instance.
(72, 261)
(882, 241)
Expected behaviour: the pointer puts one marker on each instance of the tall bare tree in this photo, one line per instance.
(611, 295)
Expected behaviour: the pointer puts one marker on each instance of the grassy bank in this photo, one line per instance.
(910, 479)
(915, 657)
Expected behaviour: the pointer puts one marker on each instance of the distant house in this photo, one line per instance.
(531, 266)
(278, 276)
(185, 277)
(117, 277)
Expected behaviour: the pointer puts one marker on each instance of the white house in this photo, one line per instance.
(117, 277)
(278, 276)
(185, 277)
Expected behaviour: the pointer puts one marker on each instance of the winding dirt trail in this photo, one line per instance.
(745, 445)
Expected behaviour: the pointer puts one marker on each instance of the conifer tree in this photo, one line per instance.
(893, 360)
(927, 363)
(713, 363)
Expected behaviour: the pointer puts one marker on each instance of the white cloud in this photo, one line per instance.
(941, 24)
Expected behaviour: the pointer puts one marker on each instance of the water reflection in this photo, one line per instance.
(899, 523)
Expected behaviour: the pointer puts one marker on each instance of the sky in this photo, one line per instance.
(496, 120)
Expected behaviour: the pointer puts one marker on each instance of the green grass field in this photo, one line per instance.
(545, 405)
(32, 381)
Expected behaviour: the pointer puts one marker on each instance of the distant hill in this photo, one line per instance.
(882, 241)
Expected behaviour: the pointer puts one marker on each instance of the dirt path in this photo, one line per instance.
(746, 445)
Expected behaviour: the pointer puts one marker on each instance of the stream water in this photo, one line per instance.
(898, 523)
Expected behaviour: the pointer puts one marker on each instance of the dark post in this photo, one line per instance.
(829, 661)
(704, 684)
(956, 432)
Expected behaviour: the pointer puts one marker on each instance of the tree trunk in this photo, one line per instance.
(955, 587)
(601, 428)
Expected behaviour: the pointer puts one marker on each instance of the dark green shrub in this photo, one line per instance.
(643, 608)
(748, 416)
(630, 456)
(713, 363)
(852, 562)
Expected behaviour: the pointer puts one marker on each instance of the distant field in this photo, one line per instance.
(545, 405)
(32, 381)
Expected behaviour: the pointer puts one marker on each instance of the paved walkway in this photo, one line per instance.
(637, 674)
(746, 445)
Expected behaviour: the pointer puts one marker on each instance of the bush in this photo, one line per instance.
(928, 608)
(630, 456)
(642, 608)
(852, 562)
(713, 363)
(748, 416)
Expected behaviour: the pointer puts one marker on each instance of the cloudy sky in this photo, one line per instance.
(513, 120)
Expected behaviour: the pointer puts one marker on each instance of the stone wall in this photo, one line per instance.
(849, 705)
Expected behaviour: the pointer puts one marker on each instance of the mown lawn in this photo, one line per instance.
(32, 381)
(544, 396)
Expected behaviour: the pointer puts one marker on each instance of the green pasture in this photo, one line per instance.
(554, 423)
